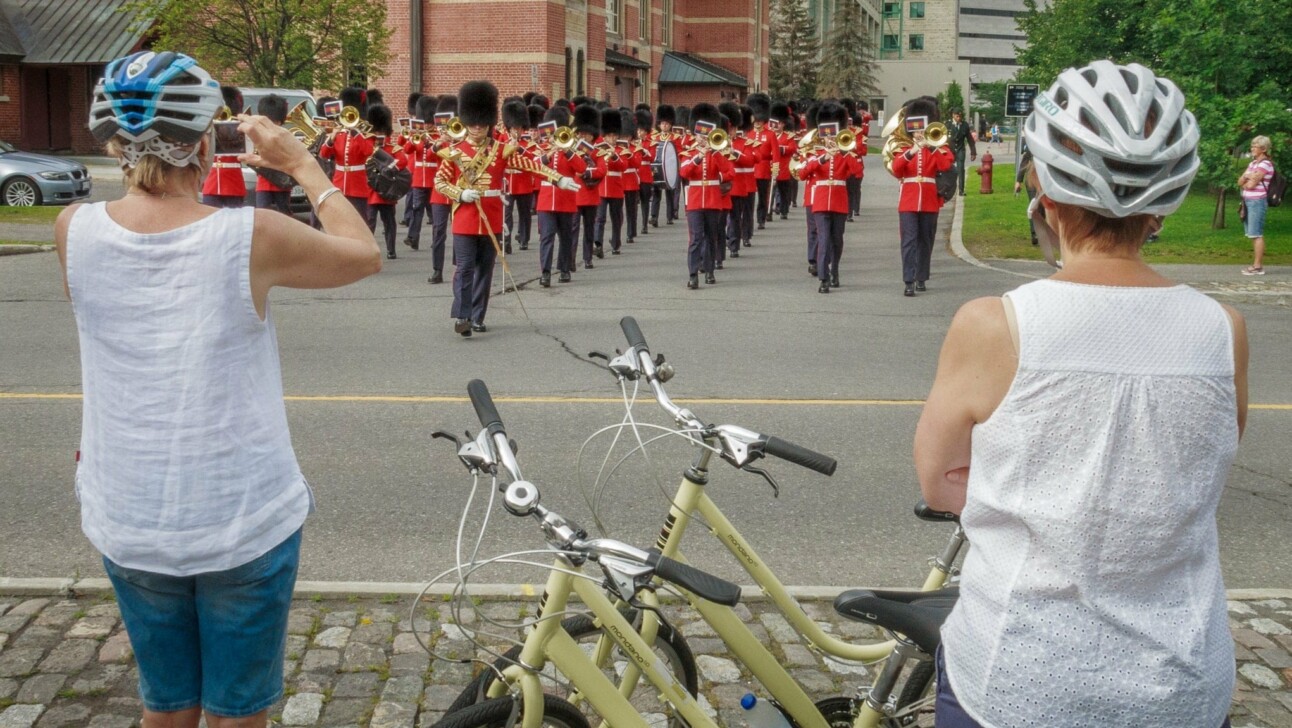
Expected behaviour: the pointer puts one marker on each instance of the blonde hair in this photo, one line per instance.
(1263, 142)
(1083, 229)
(152, 174)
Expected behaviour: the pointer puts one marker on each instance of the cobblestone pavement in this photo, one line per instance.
(356, 662)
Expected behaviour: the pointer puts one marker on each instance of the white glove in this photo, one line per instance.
(469, 196)
(567, 184)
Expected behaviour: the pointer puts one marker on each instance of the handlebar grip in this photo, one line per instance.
(485, 408)
(701, 583)
(810, 459)
(632, 332)
(925, 513)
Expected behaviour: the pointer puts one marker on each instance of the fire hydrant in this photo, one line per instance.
(984, 171)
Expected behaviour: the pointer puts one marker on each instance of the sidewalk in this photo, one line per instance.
(353, 661)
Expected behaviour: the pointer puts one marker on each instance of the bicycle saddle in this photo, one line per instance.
(916, 614)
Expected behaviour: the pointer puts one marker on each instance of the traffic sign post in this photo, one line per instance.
(1018, 105)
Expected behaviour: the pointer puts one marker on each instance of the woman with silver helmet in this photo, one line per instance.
(188, 483)
(1082, 426)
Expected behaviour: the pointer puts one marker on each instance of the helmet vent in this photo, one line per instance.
(1132, 81)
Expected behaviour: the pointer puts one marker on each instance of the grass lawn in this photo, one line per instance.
(43, 215)
(23, 242)
(995, 226)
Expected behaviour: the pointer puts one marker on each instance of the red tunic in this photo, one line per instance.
(466, 217)
(744, 165)
(767, 153)
(350, 152)
(554, 199)
(401, 162)
(632, 172)
(786, 147)
(425, 163)
(918, 178)
(829, 173)
(588, 194)
(225, 177)
(612, 184)
(705, 172)
(647, 156)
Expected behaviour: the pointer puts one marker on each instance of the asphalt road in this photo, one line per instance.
(373, 369)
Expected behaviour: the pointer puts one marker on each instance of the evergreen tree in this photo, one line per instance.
(847, 64)
(792, 50)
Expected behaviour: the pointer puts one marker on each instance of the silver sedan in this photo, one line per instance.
(28, 179)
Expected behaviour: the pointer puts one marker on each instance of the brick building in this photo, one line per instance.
(621, 51)
(51, 54)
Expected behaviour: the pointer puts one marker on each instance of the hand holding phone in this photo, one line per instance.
(229, 139)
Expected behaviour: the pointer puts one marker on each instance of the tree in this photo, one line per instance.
(989, 101)
(848, 59)
(952, 99)
(277, 43)
(792, 53)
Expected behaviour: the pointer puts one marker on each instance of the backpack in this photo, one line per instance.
(946, 182)
(1275, 187)
(388, 181)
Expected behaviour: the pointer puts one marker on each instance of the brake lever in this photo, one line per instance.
(457, 446)
(776, 488)
(599, 355)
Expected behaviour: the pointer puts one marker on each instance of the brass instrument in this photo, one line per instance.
(352, 122)
(302, 126)
(456, 130)
(225, 114)
(846, 141)
(935, 134)
(564, 138)
(896, 139)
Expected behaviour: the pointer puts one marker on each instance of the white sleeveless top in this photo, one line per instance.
(1091, 594)
(186, 462)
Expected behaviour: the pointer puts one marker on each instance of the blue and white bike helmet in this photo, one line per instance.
(160, 103)
(1136, 145)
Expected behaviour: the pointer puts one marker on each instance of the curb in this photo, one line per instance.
(959, 250)
(750, 593)
(24, 249)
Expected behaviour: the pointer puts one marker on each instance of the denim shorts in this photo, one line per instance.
(216, 640)
(1254, 225)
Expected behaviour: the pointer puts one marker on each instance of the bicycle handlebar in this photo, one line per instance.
(485, 409)
(632, 332)
(701, 583)
(799, 455)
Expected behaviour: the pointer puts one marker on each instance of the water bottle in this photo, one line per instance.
(761, 713)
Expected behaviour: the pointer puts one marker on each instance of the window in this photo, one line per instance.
(578, 74)
(643, 19)
(614, 14)
(892, 10)
(916, 42)
(917, 10)
(666, 29)
(890, 43)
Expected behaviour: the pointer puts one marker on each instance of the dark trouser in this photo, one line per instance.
(524, 205)
(736, 222)
(407, 217)
(853, 185)
(747, 233)
(474, 256)
(630, 213)
(440, 234)
(960, 171)
(280, 201)
(616, 207)
(670, 199)
(794, 192)
(646, 196)
(587, 222)
(829, 243)
(706, 239)
(558, 228)
(764, 208)
(387, 215)
(784, 193)
(812, 239)
(361, 205)
(419, 204)
(222, 201)
(918, 229)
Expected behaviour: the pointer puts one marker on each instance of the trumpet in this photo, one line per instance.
(352, 122)
(564, 138)
(845, 141)
(935, 134)
(456, 130)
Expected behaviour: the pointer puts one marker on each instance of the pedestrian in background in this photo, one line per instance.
(959, 134)
(187, 480)
(1083, 426)
(1255, 184)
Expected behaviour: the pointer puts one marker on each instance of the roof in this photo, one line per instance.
(615, 58)
(68, 31)
(10, 47)
(679, 69)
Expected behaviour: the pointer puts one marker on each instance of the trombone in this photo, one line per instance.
(455, 129)
(352, 122)
(564, 138)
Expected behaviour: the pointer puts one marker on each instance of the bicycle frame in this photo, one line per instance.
(547, 642)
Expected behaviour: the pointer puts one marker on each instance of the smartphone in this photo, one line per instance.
(332, 108)
(228, 140)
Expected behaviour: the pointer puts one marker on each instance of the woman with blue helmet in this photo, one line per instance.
(1082, 426)
(188, 483)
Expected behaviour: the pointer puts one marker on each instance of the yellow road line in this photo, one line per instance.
(453, 399)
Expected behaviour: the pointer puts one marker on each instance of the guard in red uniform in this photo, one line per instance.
(644, 122)
(796, 169)
(611, 188)
(446, 109)
(742, 187)
(917, 168)
(224, 186)
(705, 171)
(632, 172)
(665, 118)
(783, 141)
(351, 150)
(378, 206)
(420, 149)
(520, 184)
(829, 170)
(557, 208)
(766, 152)
(472, 177)
(587, 122)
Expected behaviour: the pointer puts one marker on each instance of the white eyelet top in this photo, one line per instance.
(1092, 594)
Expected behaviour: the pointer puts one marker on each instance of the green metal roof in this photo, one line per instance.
(68, 31)
(681, 69)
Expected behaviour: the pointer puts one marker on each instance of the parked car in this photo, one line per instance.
(251, 97)
(28, 179)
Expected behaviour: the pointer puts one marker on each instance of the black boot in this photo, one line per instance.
(436, 277)
(834, 279)
(812, 269)
(462, 326)
(693, 282)
(919, 286)
(709, 278)
(546, 280)
(824, 288)
(910, 290)
(564, 278)
(506, 249)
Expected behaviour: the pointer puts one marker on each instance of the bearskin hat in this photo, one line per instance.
(731, 111)
(541, 100)
(813, 116)
(527, 97)
(923, 106)
(831, 112)
(515, 115)
(535, 115)
(478, 103)
(587, 120)
(642, 107)
(413, 98)
(448, 103)
(353, 96)
(425, 109)
(379, 118)
(232, 98)
(559, 114)
(683, 117)
(581, 101)
(780, 111)
(746, 118)
(761, 105)
(665, 112)
(611, 122)
(563, 102)
(707, 113)
(645, 122)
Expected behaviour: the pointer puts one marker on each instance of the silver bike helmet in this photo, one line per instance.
(159, 103)
(1135, 143)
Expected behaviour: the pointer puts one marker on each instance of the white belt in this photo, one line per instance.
(831, 183)
(512, 171)
(745, 170)
(545, 183)
(426, 164)
(614, 174)
(705, 183)
(226, 165)
(632, 171)
(491, 193)
(918, 179)
(350, 168)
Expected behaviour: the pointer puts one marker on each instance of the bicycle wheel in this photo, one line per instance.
(557, 713)
(670, 646)
(916, 696)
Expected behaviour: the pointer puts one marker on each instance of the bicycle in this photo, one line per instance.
(741, 448)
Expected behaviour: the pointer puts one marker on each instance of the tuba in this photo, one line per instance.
(302, 126)
(898, 141)
(224, 115)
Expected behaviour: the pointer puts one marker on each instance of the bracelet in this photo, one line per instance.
(323, 197)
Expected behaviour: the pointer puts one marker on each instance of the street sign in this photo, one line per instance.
(1018, 98)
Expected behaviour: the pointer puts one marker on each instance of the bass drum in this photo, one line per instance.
(664, 168)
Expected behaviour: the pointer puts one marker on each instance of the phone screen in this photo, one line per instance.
(228, 140)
